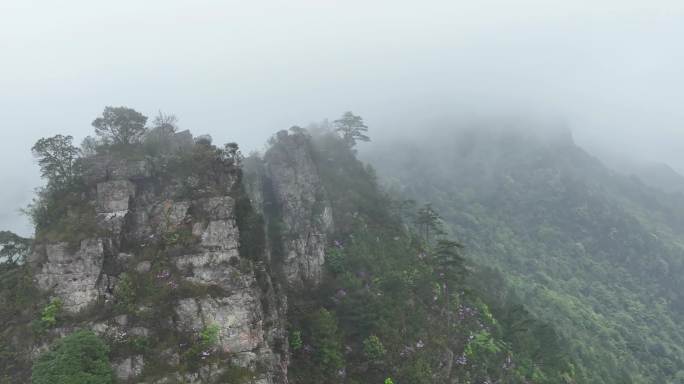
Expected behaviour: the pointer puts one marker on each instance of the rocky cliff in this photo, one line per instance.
(288, 184)
(177, 249)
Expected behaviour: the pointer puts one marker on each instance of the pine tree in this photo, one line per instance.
(429, 222)
(352, 128)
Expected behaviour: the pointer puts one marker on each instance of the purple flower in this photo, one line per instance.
(163, 274)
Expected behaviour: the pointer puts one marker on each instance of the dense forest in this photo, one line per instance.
(596, 253)
(400, 302)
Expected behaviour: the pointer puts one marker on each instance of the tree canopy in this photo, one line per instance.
(57, 159)
(121, 125)
(352, 128)
(13, 248)
(428, 222)
(166, 122)
(80, 358)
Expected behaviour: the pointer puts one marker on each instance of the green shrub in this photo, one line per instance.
(48, 316)
(418, 372)
(326, 340)
(296, 342)
(334, 260)
(125, 293)
(373, 348)
(138, 343)
(209, 335)
(80, 358)
(203, 347)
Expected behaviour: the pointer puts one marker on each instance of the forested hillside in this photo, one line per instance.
(595, 253)
(399, 303)
(160, 257)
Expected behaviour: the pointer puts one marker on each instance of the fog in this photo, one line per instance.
(611, 71)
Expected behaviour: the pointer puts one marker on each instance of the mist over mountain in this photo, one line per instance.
(345, 192)
(239, 71)
(588, 248)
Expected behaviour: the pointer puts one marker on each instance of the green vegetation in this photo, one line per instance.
(596, 254)
(326, 341)
(562, 272)
(296, 343)
(121, 126)
(373, 348)
(57, 160)
(80, 358)
(209, 335)
(397, 300)
(57, 211)
(13, 248)
(48, 317)
(351, 128)
(19, 301)
(202, 348)
(127, 290)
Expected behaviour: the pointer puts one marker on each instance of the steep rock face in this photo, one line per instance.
(153, 232)
(72, 276)
(238, 317)
(302, 207)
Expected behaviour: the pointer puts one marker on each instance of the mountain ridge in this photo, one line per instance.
(581, 243)
(181, 261)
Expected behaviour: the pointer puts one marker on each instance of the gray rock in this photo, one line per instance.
(143, 266)
(129, 368)
(137, 208)
(182, 141)
(130, 170)
(170, 356)
(238, 317)
(100, 329)
(158, 217)
(305, 210)
(139, 332)
(219, 234)
(121, 320)
(214, 268)
(217, 208)
(113, 196)
(72, 276)
(105, 167)
(254, 181)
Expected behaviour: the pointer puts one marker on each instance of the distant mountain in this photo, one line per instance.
(595, 252)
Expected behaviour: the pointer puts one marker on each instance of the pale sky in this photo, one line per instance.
(241, 70)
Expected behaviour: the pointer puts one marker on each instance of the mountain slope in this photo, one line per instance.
(382, 310)
(172, 260)
(595, 253)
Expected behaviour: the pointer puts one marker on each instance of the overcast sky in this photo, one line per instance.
(240, 70)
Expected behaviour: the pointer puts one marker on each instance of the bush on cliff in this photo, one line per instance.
(80, 358)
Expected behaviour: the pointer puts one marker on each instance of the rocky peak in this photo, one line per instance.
(300, 204)
(166, 254)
